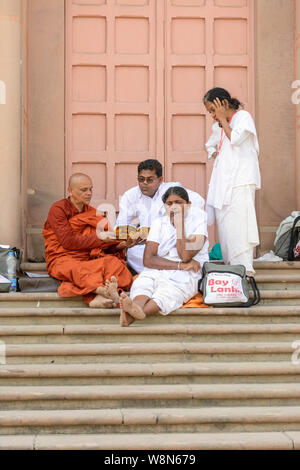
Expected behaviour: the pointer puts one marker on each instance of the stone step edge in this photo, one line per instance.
(139, 329)
(278, 278)
(53, 296)
(261, 310)
(27, 266)
(263, 276)
(148, 392)
(288, 440)
(127, 370)
(95, 349)
(152, 416)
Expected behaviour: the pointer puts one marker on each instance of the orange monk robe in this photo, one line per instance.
(82, 271)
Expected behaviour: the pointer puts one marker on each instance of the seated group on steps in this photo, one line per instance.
(166, 253)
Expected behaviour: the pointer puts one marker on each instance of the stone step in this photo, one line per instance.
(149, 373)
(258, 265)
(283, 271)
(142, 396)
(66, 315)
(150, 392)
(289, 440)
(276, 265)
(270, 280)
(262, 277)
(227, 331)
(209, 419)
(51, 299)
(274, 278)
(269, 274)
(138, 333)
(39, 299)
(71, 370)
(34, 267)
(287, 279)
(145, 353)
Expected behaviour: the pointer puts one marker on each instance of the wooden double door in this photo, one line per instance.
(136, 73)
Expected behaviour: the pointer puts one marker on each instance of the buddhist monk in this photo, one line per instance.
(78, 255)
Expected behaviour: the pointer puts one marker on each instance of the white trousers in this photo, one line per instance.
(166, 293)
(237, 227)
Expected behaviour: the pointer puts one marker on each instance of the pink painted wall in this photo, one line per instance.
(275, 114)
(46, 83)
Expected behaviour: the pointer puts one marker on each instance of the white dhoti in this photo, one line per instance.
(237, 227)
(169, 289)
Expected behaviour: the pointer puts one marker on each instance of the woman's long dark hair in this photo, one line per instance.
(222, 94)
(178, 191)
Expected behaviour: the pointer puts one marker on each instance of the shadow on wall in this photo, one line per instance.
(35, 246)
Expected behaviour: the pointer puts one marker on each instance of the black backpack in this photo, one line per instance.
(295, 237)
(286, 243)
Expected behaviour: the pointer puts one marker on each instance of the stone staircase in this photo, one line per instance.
(219, 378)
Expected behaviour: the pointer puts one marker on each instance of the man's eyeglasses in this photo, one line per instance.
(149, 180)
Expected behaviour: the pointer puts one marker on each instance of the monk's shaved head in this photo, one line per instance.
(77, 177)
(80, 190)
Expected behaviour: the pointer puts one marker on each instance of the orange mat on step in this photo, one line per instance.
(196, 302)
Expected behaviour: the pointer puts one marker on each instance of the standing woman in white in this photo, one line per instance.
(235, 177)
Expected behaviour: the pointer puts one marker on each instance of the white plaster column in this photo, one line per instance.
(10, 121)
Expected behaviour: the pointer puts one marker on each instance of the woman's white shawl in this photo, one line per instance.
(237, 162)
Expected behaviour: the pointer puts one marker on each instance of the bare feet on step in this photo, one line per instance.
(129, 307)
(101, 302)
(101, 290)
(111, 290)
(125, 318)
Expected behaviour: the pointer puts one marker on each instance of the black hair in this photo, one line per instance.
(178, 190)
(222, 94)
(151, 164)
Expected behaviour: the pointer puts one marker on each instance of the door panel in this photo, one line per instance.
(111, 99)
(208, 44)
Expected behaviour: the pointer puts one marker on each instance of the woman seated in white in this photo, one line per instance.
(176, 249)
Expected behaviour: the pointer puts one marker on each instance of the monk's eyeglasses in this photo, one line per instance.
(149, 180)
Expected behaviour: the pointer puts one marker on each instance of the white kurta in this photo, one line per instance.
(135, 207)
(213, 142)
(237, 227)
(235, 167)
(170, 289)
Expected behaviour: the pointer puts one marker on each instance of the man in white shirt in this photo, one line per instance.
(143, 204)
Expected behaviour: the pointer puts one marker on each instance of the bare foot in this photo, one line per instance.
(125, 318)
(101, 290)
(111, 290)
(101, 302)
(130, 307)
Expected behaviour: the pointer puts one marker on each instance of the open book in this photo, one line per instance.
(124, 232)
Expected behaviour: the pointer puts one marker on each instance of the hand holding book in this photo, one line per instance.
(125, 232)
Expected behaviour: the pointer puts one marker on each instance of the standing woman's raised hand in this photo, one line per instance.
(220, 110)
